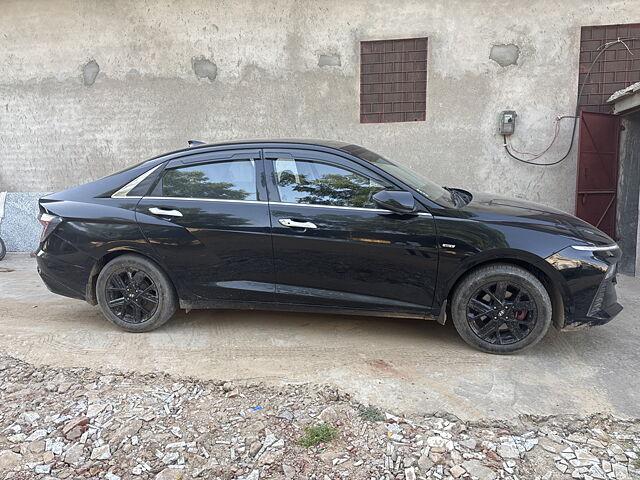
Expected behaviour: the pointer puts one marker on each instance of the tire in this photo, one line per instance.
(501, 323)
(3, 249)
(126, 290)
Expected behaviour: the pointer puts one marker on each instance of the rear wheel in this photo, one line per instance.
(3, 249)
(134, 294)
(501, 309)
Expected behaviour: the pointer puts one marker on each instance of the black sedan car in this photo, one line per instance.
(322, 226)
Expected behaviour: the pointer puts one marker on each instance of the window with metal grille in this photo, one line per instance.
(617, 68)
(393, 80)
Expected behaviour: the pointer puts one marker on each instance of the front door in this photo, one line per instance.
(334, 247)
(208, 221)
(597, 179)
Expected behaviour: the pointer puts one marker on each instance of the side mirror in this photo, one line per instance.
(396, 201)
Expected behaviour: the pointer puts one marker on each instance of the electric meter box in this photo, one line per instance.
(507, 122)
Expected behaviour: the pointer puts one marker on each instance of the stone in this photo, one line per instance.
(37, 435)
(436, 442)
(127, 430)
(469, 443)
(254, 475)
(170, 474)
(170, 458)
(288, 471)
(102, 452)
(75, 427)
(287, 415)
(328, 415)
(42, 469)
(508, 450)
(410, 473)
(425, 463)
(95, 409)
(586, 456)
(75, 455)
(112, 476)
(457, 471)
(476, 469)
(37, 446)
(9, 460)
(621, 472)
(17, 438)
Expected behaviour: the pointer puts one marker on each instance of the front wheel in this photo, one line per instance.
(3, 249)
(135, 294)
(501, 309)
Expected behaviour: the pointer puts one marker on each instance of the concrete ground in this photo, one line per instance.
(403, 365)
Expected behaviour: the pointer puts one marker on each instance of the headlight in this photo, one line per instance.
(593, 248)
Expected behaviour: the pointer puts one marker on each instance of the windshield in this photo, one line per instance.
(426, 187)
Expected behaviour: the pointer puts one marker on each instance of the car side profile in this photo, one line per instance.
(322, 226)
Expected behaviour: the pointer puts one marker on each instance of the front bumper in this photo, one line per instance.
(589, 286)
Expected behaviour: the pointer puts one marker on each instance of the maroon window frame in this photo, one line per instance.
(393, 80)
(614, 70)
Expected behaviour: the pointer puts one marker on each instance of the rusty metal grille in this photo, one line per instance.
(393, 80)
(615, 69)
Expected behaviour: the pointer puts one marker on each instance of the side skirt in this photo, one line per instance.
(288, 307)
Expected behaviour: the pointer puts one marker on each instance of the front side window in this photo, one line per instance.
(228, 180)
(316, 183)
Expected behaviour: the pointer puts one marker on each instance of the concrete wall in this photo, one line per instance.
(629, 193)
(88, 87)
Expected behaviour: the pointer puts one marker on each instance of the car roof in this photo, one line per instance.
(258, 143)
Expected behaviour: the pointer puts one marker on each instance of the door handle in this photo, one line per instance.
(165, 213)
(287, 222)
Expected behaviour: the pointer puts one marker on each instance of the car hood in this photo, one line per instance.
(534, 216)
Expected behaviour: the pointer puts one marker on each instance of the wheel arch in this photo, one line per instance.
(561, 299)
(109, 256)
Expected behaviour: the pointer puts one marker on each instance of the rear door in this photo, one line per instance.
(208, 220)
(334, 247)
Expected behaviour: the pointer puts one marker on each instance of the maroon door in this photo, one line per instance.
(597, 179)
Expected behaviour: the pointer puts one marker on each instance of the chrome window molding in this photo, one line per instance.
(377, 210)
(133, 183)
(206, 199)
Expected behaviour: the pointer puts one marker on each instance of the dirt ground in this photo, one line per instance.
(407, 366)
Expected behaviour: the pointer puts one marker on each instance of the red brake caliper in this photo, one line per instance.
(521, 315)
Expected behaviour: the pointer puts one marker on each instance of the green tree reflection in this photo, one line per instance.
(195, 184)
(332, 189)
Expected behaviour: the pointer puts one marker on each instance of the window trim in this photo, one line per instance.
(237, 156)
(123, 192)
(331, 159)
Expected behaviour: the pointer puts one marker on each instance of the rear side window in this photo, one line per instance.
(230, 180)
(317, 183)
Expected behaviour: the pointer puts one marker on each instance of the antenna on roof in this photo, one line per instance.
(195, 143)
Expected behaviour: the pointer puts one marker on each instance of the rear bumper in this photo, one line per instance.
(62, 277)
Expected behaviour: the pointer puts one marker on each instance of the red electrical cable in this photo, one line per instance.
(553, 140)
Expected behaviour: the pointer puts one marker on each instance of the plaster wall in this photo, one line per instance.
(90, 87)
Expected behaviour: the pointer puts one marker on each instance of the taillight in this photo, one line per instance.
(49, 223)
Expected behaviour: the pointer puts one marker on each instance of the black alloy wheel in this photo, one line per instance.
(132, 295)
(135, 294)
(501, 308)
(502, 313)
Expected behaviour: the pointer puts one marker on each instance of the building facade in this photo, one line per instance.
(91, 87)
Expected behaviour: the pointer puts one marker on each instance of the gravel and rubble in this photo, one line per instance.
(71, 423)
